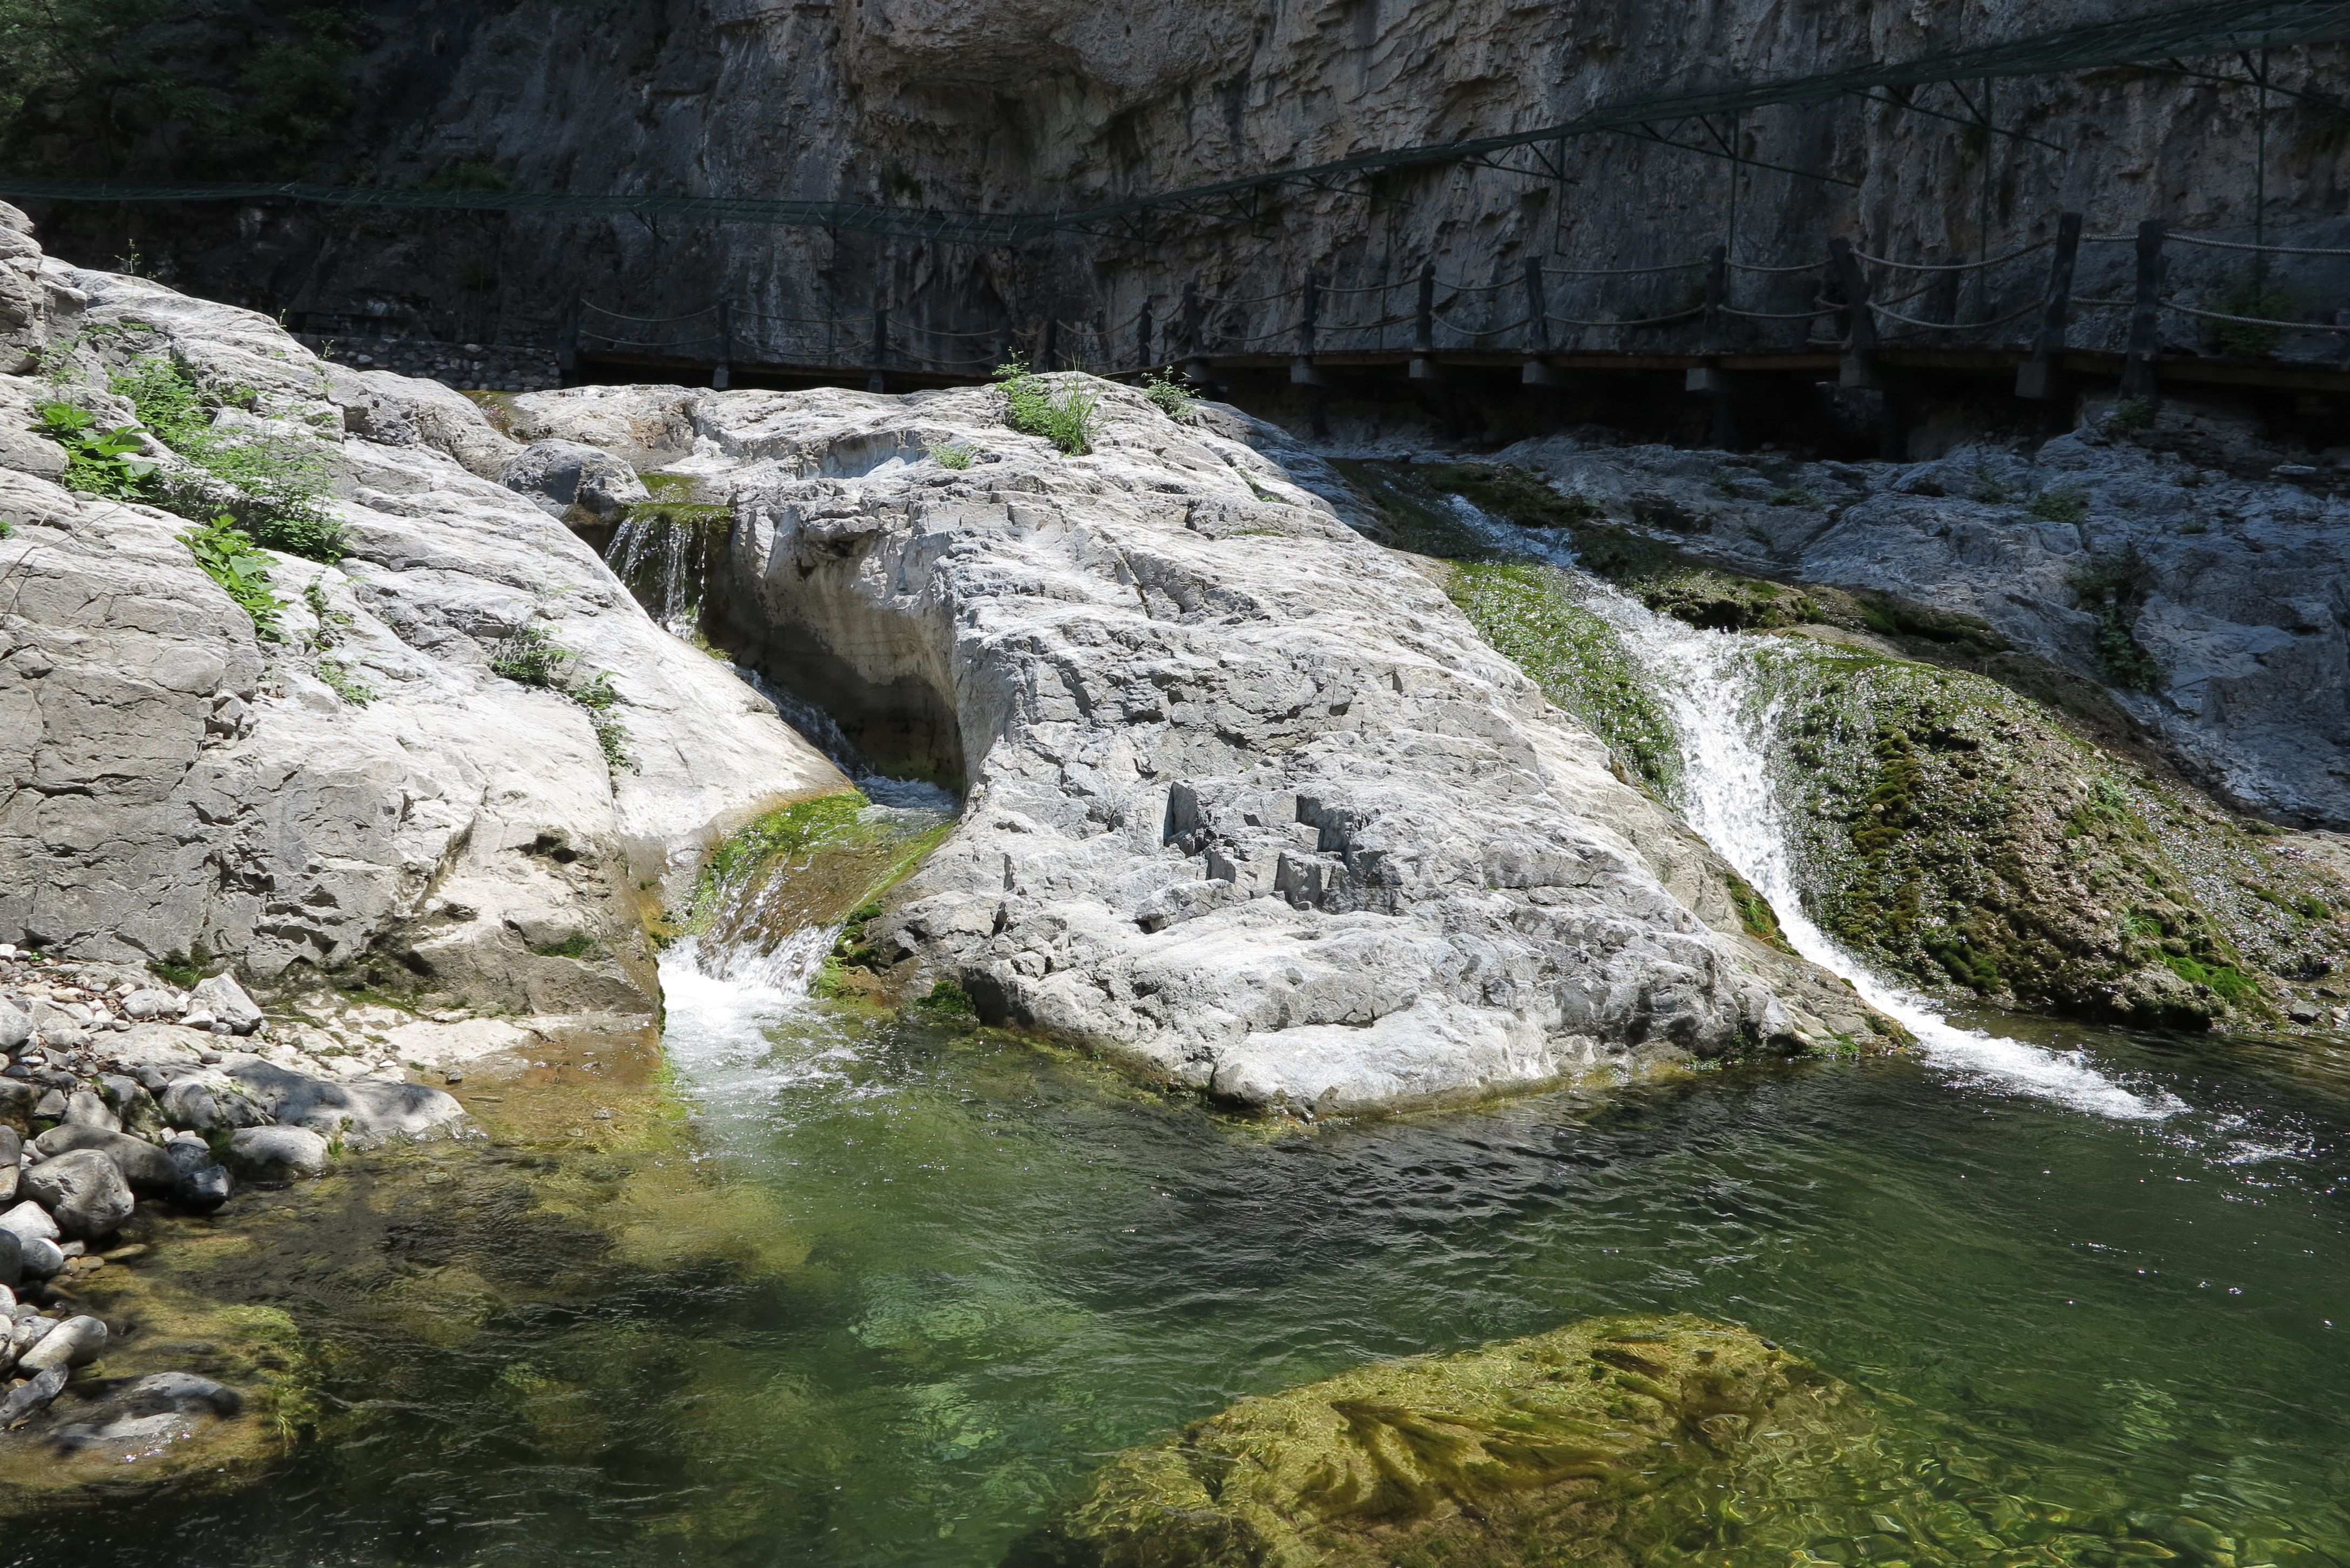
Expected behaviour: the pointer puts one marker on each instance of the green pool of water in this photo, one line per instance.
(990, 1267)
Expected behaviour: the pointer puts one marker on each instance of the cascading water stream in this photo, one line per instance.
(1713, 684)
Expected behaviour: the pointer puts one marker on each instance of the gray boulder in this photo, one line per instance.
(77, 1341)
(44, 1259)
(12, 1148)
(133, 1104)
(207, 1100)
(200, 1184)
(33, 1398)
(12, 1260)
(30, 1221)
(559, 475)
(16, 1026)
(226, 1002)
(146, 1167)
(148, 1003)
(146, 1413)
(84, 1109)
(17, 1100)
(364, 1112)
(84, 1190)
(278, 1154)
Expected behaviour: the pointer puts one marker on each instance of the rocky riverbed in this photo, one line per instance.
(122, 1091)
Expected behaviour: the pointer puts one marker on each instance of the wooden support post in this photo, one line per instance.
(1423, 329)
(1942, 303)
(1142, 361)
(1860, 330)
(2038, 377)
(567, 346)
(1195, 366)
(1048, 357)
(720, 372)
(2146, 313)
(1536, 372)
(1301, 368)
(876, 382)
(1712, 380)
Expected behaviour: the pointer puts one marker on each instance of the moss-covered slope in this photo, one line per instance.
(1956, 832)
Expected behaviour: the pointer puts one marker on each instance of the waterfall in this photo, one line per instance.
(1714, 685)
(663, 553)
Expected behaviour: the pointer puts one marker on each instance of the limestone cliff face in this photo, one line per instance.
(1039, 104)
(361, 789)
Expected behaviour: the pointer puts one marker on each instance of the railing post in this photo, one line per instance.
(567, 345)
(1537, 308)
(1423, 328)
(1048, 354)
(1860, 332)
(1301, 368)
(878, 383)
(1942, 304)
(2145, 312)
(1192, 324)
(719, 373)
(2038, 377)
(1142, 361)
(1712, 380)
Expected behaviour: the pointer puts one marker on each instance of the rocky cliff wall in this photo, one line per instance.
(1039, 104)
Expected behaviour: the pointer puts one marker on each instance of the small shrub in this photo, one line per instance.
(339, 680)
(1795, 496)
(1030, 407)
(1990, 489)
(2248, 293)
(1173, 397)
(2311, 908)
(229, 557)
(2130, 416)
(2070, 505)
(950, 453)
(104, 462)
(531, 658)
(2111, 585)
(276, 482)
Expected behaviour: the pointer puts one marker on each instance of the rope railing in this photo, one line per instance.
(1165, 328)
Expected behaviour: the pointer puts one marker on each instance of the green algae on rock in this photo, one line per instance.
(1576, 658)
(1957, 834)
(1603, 1442)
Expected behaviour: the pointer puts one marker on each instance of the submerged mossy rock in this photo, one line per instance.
(1955, 833)
(1604, 1442)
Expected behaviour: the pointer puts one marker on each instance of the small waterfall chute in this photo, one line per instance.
(1717, 688)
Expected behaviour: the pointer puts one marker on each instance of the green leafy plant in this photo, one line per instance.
(2250, 294)
(2113, 584)
(2130, 416)
(951, 453)
(276, 483)
(339, 678)
(2069, 504)
(1795, 496)
(531, 658)
(1173, 397)
(230, 558)
(104, 462)
(1067, 421)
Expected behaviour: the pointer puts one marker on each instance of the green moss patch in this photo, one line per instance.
(1954, 834)
(1574, 656)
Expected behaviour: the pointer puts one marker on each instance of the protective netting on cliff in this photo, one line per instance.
(2148, 39)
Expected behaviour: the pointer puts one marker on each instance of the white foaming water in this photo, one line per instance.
(1710, 682)
(712, 994)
